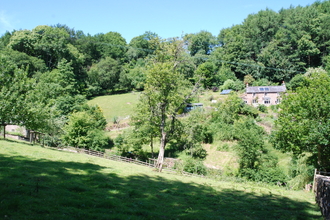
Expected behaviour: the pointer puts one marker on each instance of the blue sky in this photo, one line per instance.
(131, 18)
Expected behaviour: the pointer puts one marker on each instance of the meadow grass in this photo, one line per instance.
(121, 105)
(43, 183)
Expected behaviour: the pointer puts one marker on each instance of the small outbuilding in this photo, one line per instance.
(191, 106)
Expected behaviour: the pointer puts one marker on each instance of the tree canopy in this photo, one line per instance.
(303, 124)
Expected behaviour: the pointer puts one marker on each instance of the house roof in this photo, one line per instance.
(263, 89)
(225, 92)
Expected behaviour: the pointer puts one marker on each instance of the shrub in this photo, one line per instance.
(250, 111)
(301, 171)
(83, 130)
(274, 108)
(191, 165)
(262, 108)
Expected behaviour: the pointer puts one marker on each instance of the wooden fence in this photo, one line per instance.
(321, 188)
(129, 160)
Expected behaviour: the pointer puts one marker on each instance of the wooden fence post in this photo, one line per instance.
(315, 171)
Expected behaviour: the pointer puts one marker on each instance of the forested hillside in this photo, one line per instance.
(48, 74)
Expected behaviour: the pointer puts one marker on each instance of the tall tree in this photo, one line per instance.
(16, 92)
(112, 44)
(303, 124)
(202, 42)
(140, 46)
(166, 91)
(104, 76)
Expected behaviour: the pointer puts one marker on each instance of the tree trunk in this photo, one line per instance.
(152, 146)
(161, 153)
(160, 160)
(323, 157)
(4, 131)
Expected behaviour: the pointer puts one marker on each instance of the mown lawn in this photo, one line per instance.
(42, 183)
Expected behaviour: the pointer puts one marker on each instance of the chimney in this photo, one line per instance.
(247, 85)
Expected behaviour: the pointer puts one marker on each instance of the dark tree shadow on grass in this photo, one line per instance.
(45, 189)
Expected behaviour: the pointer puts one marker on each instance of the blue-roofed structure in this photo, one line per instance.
(225, 92)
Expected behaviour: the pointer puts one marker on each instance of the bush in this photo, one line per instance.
(197, 152)
(250, 111)
(84, 130)
(262, 108)
(274, 108)
(301, 172)
(191, 165)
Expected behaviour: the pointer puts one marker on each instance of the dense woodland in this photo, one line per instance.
(49, 73)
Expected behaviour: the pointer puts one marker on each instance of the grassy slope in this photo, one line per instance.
(121, 105)
(41, 183)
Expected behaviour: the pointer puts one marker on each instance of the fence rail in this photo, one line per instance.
(130, 160)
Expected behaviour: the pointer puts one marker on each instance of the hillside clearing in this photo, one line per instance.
(121, 105)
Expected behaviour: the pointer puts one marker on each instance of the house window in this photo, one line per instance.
(266, 93)
(266, 101)
(278, 101)
(253, 94)
(254, 101)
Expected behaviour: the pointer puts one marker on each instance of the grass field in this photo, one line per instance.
(121, 105)
(42, 183)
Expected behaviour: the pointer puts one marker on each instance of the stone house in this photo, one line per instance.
(263, 95)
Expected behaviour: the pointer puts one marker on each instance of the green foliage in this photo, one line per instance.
(104, 76)
(261, 82)
(262, 108)
(140, 46)
(248, 79)
(133, 77)
(250, 143)
(224, 74)
(85, 130)
(268, 171)
(298, 80)
(194, 132)
(250, 111)
(303, 124)
(223, 147)
(228, 110)
(207, 72)
(191, 165)
(67, 104)
(25, 62)
(202, 43)
(19, 102)
(236, 85)
(112, 44)
(301, 171)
